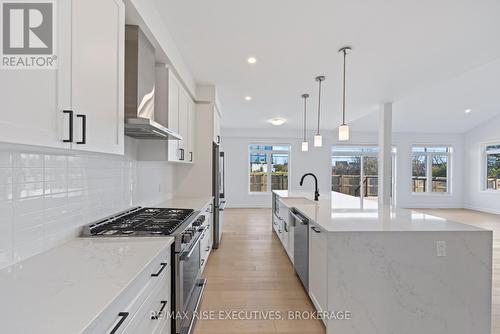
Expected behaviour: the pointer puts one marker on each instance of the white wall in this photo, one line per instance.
(475, 196)
(47, 195)
(318, 161)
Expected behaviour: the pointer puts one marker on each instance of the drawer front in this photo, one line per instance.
(119, 314)
(205, 248)
(154, 312)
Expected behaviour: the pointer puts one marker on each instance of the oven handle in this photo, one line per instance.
(187, 254)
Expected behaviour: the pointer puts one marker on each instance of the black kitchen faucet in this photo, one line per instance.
(316, 191)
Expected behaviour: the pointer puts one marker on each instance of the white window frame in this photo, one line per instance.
(429, 155)
(484, 169)
(269, 164)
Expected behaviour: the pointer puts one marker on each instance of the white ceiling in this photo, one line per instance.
(419, 54)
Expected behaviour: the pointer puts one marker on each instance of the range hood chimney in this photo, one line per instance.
(140, 89)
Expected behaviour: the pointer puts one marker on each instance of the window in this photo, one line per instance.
(493, 167)
(268, 167)
(430, 168)
(355, 173)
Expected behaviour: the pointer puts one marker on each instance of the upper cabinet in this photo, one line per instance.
(216, 124)
(78, 105)
(97, 74)
(181, 115)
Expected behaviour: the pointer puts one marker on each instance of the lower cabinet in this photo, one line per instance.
(143, 307)
(207, 237)
(318, 267)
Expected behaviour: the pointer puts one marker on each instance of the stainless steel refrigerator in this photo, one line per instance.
(218, 188)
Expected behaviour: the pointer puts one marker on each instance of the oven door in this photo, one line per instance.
(191, 285)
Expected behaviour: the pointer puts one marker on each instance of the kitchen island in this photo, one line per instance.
(389, 271)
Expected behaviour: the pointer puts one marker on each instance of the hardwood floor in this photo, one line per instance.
(252, 272)
(489, 222)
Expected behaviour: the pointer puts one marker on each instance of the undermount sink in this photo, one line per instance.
(291, 202)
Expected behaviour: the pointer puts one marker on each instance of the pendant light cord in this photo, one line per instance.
(343, 93)
(305, 117)
(319, 103)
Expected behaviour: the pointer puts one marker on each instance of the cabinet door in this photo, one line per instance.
(97, 70)
(183, 123)
(33, 100)
(318, 267)
(173, 116)
(191, 131)
(216, 125)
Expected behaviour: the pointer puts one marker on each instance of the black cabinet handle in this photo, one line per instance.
(158, 314)
(315, 229)
(70, 139)
(163, 265)
(123, 316)
(182, 154)
(218, 139)
(84, 129)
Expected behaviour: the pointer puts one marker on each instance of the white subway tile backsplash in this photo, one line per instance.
(5, 159)
(5, 175)
(6, 192)
(23, 159)
(45, 198)
(25, 175)
(25, 190)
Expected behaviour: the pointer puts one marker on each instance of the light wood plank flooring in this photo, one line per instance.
(251, 272)
(489, 222)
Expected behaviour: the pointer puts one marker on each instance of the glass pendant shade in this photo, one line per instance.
(318, 141)
(344, 132)
(305, 146)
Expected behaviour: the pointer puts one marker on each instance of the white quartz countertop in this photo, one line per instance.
(329, 215)
(64, 289)
(195, 203)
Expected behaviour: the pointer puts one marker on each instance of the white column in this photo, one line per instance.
(385, 155)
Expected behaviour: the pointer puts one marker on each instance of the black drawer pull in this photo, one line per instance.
(70, 139)
(163, 265)
(315, 229)
(123, 316)
(156, 315)
(84, 129)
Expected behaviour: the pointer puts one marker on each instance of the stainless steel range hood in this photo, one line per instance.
(140, 120)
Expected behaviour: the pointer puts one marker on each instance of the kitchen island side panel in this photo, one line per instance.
(396, 283)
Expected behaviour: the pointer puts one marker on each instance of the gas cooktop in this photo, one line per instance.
(140, 222)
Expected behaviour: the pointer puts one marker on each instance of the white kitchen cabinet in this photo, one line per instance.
(318, 267)
(88, 82)
(216, 125)
(97, 75)
(148, 295)
(181, 120)
(191, 131)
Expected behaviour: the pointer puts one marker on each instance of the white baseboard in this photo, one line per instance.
(248, 206)
(487, 210)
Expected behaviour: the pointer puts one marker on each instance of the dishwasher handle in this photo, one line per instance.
(299, 218)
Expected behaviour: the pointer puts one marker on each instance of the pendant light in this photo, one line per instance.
(344, 128)
(305, 143)
(318, 140)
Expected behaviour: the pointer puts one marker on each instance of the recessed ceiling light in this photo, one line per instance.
(248, 98)
(252, 60)
(277, 121)
(468, 111)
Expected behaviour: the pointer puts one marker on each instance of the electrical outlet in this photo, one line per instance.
(441, 248)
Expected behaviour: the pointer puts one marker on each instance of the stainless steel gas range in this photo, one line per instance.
(185, 225)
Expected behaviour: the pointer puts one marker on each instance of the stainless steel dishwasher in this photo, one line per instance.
(301, 247)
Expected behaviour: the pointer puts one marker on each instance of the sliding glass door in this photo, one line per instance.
(355, 176)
